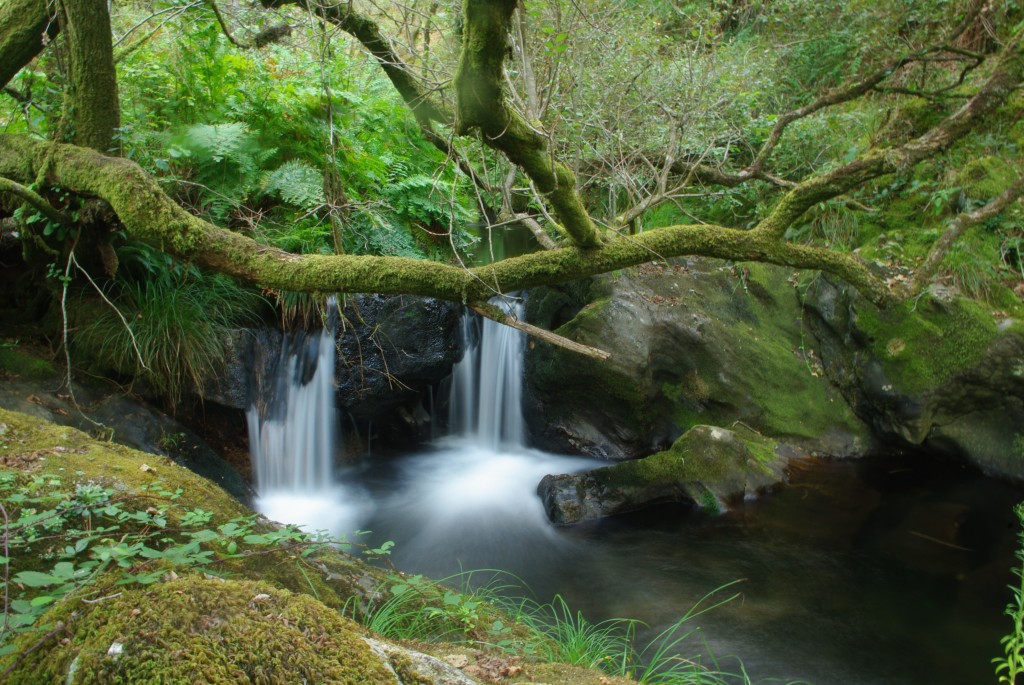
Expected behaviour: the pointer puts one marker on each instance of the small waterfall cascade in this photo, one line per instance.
(293, 437)
(485, 406)
(293, 440)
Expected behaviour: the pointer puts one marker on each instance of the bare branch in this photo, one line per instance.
(956, 228)
(496, 314)
(1005, 78)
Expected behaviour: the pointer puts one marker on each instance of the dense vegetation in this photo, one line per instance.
(177, 167)
(792, 132)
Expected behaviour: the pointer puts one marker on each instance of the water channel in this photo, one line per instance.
(878, 571)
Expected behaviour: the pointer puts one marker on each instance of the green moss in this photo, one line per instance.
(986, 177)
(924, 343)
(203, 630)
(711, 456)
(24, 365)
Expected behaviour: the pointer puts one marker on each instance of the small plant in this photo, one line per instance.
(171, 441)
(1011, 664)
(83, 541)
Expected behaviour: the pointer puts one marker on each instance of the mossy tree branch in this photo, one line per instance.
(26, 28)
(36, 200)
(148, 214)
(482, 106)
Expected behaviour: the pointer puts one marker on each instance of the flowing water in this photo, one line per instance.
(874, 572)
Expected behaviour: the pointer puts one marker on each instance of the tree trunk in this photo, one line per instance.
(92, 103)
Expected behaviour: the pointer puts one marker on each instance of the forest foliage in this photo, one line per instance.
(278, 125)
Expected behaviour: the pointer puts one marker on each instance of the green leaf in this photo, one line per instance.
(36, 579)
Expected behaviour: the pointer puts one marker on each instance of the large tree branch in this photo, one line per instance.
(26, 27)
(479, 86)
(148, 214)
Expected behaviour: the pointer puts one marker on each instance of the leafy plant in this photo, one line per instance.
(84, 540)
(1011, 664)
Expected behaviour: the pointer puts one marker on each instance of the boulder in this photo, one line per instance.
(695, 342)
(943, 372)
(706, 467)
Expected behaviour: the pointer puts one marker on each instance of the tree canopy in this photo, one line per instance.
(309, 146)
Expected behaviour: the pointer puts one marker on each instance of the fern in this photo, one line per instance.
(296, 183)
(227, 160)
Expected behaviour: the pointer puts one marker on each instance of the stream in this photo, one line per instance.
(875, 571)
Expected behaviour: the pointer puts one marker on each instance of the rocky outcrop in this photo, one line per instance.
(391, 351)
(106, 412)
(697, 342)
(944, 372)
(707, 467)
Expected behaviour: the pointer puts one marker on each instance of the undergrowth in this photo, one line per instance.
(1010, 666)
(70, 540)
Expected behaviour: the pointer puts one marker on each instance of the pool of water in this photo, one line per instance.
(876, 572)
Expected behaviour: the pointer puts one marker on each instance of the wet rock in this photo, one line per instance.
(392, 352)
(391, 349)
(943, 372)
(127, 421)
(698, 342)
(706, 467)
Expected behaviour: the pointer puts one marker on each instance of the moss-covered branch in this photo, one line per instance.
(148, 214)
(482, 106)
(34, 199)
(26, 27)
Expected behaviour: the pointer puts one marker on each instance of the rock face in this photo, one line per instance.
(695, 343)
(391, 351)
(943, 372)
(706, 467)
(391, 348)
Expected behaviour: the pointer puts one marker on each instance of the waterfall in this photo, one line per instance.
(485, 406)
(293, 439)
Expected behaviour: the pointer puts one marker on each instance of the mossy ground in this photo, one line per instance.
(17, 362)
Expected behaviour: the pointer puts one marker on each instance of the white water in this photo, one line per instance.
(487, 384)
(293, 442)
(469, 499)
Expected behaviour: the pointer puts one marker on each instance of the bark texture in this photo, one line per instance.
(93, 109)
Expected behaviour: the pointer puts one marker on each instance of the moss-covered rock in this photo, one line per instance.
(198, 630)
(706, 467)
(699, 342)
(943, 372)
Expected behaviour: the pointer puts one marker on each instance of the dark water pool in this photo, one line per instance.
(875, 572)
